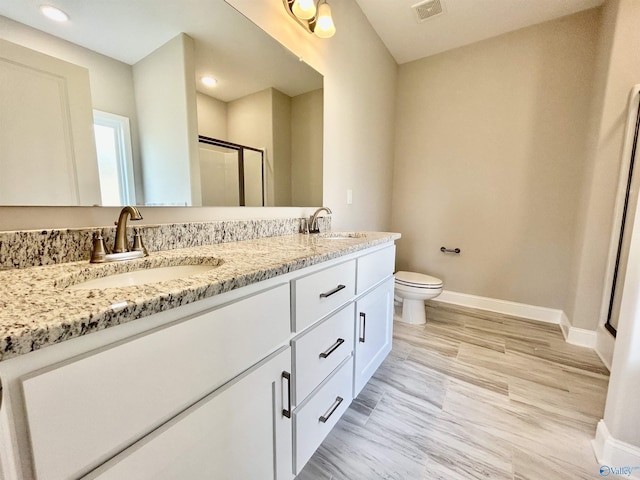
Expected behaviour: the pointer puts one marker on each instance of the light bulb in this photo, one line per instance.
(209, 81)
(304, 9)
(324, 23)
(54, 13)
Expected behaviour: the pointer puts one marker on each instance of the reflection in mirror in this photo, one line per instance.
(115, 159)
(107, 110)
(231, 175)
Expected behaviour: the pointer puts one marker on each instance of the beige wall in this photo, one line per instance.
(306, 148)
(490, 146)
(281, 124)
(359, 107)
(212, 117)
(164, 83)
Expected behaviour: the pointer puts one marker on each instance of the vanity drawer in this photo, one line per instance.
(374, 267)
(320, 293)
(83, 411)
(318, 415)
(320, 350)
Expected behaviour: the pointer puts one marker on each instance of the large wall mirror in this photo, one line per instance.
(111, 108)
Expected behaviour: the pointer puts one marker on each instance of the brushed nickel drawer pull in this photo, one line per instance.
(333, 348)
(334, 407)
(287, 412)
(331, 292)
(363, 316)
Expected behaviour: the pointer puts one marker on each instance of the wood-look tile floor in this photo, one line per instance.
(471, 394)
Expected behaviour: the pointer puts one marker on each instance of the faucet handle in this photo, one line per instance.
(138, 245)
(304, 225)
(99, 250)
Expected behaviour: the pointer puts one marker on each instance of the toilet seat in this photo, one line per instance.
(417, 280)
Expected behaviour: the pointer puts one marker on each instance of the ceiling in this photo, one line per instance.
(229, 47)
(462, 22)
(128, 30)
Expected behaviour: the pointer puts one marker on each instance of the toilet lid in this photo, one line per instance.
(413, 279)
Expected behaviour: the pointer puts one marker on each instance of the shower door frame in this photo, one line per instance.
(240, 149)
(622, 204)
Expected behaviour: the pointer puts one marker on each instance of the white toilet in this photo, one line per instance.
(411, 290)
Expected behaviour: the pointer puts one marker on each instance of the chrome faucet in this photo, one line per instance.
(313, 220)
(121, 244)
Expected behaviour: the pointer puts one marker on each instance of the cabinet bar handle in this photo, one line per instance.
(333, 348)
(331, 292)
(287, 412)
(363, 316)
(334, 407)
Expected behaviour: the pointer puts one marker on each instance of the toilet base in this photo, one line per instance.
(413, 312)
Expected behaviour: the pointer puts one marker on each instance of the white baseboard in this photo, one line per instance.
(614, 454)
(577, 336)
(605, 342)
(532, 312)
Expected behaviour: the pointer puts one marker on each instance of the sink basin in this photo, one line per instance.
(143, 277)
(342, 235)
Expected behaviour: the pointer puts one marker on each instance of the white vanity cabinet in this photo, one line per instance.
(82, 411)
(241, 385)
(197, 390)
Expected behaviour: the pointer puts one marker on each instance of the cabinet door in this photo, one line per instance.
(374, 329)
(238, 432)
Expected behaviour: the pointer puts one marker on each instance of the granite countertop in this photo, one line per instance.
(37, 309)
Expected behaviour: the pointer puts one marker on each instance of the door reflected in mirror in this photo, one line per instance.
(139, 79)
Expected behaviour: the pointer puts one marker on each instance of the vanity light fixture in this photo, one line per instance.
(209, 81)
(315, 18)
(54, 13)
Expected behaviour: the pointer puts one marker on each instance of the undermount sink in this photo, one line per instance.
(342, 235)
(143, 277)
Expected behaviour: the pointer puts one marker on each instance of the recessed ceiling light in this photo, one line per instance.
(54, 13)
(209, 81)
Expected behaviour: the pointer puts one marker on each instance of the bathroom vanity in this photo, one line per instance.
(236, 373)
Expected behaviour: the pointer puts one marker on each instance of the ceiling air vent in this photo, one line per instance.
(429, 9)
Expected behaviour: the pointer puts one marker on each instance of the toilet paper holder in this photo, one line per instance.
(450, 250)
